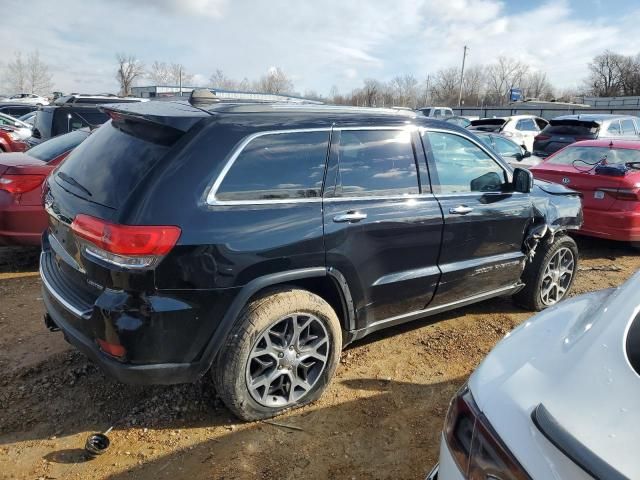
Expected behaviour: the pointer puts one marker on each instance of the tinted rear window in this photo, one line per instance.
(276, 167)
(50, 149)
(79, 119)
(585, 157)
(109, 164)
(571, 129)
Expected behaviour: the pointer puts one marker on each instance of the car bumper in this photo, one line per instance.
(166, 340)
(612, 225)
(447, 469)
(21, 224)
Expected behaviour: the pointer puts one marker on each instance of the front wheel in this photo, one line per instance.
(281, 354)
(549, 278)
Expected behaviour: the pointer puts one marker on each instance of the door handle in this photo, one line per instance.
(350, 217)
(461, 210)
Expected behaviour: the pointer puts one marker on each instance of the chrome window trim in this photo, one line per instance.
(211, 196)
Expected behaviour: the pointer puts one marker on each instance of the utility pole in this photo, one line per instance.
(180, 79)
(464, 57)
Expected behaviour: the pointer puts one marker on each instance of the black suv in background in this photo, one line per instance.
(69, 113)
(256, 240)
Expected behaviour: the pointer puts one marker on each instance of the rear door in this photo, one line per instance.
(382, 224)
(484, 223)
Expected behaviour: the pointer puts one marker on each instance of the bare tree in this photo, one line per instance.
(178, 75)
(537, 86)
(445, 86)
(404, 90)
(503, 75)
(164, 74)
(129, 69)
(605, 74)
(371, 92)
(159, 73)
(275, 81)
(473, 86)
(29, 76)
(219, 80)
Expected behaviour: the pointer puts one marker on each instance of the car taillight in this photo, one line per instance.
(129, 246)
(629, 194)
(18, 184)
(541, 138)
(475, 446)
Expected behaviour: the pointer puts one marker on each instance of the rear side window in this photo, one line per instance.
(50, 149)
(628, 128)
(376, 163)
(67, 120)
(526, 125)
(461, 166)
(278, 166)
(108, 165)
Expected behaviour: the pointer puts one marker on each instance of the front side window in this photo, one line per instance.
(376, 163)
(506, 148)
(279, 166)
(462, 166)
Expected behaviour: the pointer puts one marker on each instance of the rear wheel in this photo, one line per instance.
(281, 354)
(549, 278)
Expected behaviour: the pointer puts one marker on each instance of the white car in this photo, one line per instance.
(23, 130)
(522, 129)
(556, 399)
(436, 112)
(28, 98)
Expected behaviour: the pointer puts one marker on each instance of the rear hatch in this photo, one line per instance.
(98, 178)
(560, 133)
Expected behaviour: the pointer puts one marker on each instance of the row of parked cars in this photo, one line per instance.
(253, 241)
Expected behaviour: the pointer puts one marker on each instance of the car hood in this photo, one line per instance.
(572, 359)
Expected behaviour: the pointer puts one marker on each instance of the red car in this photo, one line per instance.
(22, 216)
(607, 173)
(10, 140)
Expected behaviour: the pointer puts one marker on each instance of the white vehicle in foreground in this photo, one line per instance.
(522, 129)
(28, 98)
(558, 398)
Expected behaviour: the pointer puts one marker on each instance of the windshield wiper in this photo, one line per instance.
(74, 182)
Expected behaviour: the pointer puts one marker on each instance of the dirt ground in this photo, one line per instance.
(380, 418)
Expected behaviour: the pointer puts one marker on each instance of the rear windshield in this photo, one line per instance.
(573, 129)
(109, 164)
(585, 156)
(50, 149)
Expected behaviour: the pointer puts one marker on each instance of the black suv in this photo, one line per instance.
(256, 240)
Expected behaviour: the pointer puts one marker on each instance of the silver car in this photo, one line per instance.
(556, 399)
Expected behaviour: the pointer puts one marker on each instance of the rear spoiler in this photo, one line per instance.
(574, 123)
(488, 121)
(174, 115)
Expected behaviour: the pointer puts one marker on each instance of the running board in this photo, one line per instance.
(407, 317)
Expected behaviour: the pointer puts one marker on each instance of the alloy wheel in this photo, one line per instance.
(287, 360)
(557, 276)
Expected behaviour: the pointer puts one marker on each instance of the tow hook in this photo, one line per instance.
(50, 324)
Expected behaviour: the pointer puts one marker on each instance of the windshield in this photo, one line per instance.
(14, 122)
(55, 147)
(592, 155)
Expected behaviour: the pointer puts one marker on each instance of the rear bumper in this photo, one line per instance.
(21, 224)
(612, 225)
(164, 338)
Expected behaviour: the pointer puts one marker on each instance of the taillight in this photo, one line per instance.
(475, 446)
(541, 138)
(132, 246)
(628, 194)
(18, 184)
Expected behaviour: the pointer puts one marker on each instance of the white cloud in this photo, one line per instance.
(319, 44)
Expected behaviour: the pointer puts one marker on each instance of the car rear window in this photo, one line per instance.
(108, 165)
(585, 157)
(50, 149)
(68, 120)
(277, 167)
(572, 129)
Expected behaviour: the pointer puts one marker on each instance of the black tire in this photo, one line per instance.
(232, 370)
(530, 297)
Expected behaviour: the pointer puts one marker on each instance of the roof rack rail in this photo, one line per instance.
(209, 96)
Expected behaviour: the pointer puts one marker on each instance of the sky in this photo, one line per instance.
(318, 43)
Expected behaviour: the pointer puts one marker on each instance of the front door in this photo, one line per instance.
(484, 222)
(382, 224)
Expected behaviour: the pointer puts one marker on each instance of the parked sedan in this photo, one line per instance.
(565, 130)
(520, 128)
(22, 217)
(12, 140)
(28, 98)
(515, 154)
(607, 173)
(23, 129)
(556, 399)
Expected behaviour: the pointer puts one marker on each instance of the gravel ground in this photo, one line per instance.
(380, 418)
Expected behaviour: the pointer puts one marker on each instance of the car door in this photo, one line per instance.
(527, 130)
(382, 224)
(484, 221)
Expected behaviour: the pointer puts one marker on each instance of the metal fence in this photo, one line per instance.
(546, 112)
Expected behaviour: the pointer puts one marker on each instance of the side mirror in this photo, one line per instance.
(522, 180)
